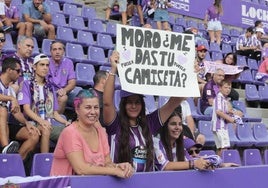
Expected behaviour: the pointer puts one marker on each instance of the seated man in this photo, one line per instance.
(37, 13)
(25, 131)
(61, 74)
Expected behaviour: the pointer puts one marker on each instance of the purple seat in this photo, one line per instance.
(96, 26)
(181, 21)
(84, 74)
(260, 134)
(241, 60)
(203, 42)
(88, 13)
(9, 46)
(245, 77)
(251, 93)
(194, 111)
(263, 93)
(162, 100)
(226, 48)
(214, 47)
(226, 31)
(41, 164)
(191, 23)
(45, 48)
(242, 106)
(253, 64)
(178, 28)
(205, 128)
(245, 136)
(257, 82)
(252, 157)
(207, 152)
(265, 156)
(171, 20)
(111, 29)
(104, 41)
(76, 23)
(70, 9)
(85, 38)
(232, 135)
(36, 48)
(65, 34)
(96, 56)
(59, 19)
(201, 26)
(117, 99)
(73, 2)
(75, 52)
(11, 165)
(234, 32)
(216, 55)
(54, 7)
(208, 58)
(231, 156)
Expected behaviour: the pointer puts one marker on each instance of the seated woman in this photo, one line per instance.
(82, 148)
(262, 74)
(169, 149)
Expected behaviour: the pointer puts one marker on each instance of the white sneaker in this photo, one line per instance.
(12, 147)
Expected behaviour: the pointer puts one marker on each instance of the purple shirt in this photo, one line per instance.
(211, 12)
(136, 140)
(61, 74)
(28, 95)
(210, 91)
(12, 12)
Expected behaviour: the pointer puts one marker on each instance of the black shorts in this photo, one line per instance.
(13, 130)
(135, 2)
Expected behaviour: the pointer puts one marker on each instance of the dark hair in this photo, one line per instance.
(234, 58)
(165, 139)
(56, 41)
(99, 75)
(9, 63)
(3, 32)
(225, 82)
(124, 146)
(257, 23)
(250, 29)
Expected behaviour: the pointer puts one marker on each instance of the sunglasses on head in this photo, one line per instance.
(2, 40)
(191, 152)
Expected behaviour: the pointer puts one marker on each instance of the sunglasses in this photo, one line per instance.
(2, 40)
(18, 70)
(191, 152)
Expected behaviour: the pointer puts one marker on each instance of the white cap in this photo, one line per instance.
(259, 29)
(39, 58)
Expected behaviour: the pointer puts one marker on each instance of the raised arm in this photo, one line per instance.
(109, 110)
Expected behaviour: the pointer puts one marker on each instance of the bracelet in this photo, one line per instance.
(113, 74)
(191, 164)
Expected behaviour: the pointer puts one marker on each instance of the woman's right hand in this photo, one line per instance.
(124, 170)
(201, 164)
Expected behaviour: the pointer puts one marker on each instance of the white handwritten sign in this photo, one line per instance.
(156, 62)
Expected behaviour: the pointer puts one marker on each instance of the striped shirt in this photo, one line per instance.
(220, 103)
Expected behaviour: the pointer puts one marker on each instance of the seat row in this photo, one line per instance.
(246, 135)
(256, 94)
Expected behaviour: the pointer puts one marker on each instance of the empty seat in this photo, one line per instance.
(252, 157)
(70, 9)
(85, 38)
(75, 52)
(45, 48)
(104, 41)
(232, 135)
(9, 46)
(41, 164)
(246, 118)
(231, 156)
(214, 47)
(181, 21)
(216, 56)
(226, 48)
(253, 64)
(245, 135)
(84, 74)
(149, 103)
(234, 32)
(96, 56)
(263, 93)
(191, 23)
(251, 92)
(65, 34)
(260, 134)
(77, 23)
(59, 20)
(111, 29)
(96, 26)
(205, 129)
(178, 28)
(36, 48)
(11, 165)
(171, 20)
(54, 7)
(88, 12)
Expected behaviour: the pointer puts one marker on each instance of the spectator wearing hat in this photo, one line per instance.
(38, 17)
(130, 129)
(194, 149)
(39, 101)
(201, 52)
(264, 37)
(246, 46)
(61, 74)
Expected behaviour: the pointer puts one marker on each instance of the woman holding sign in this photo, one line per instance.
(130, 129)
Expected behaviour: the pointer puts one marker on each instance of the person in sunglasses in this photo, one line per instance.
(169, 149)
(194, 149)
(39, 102)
